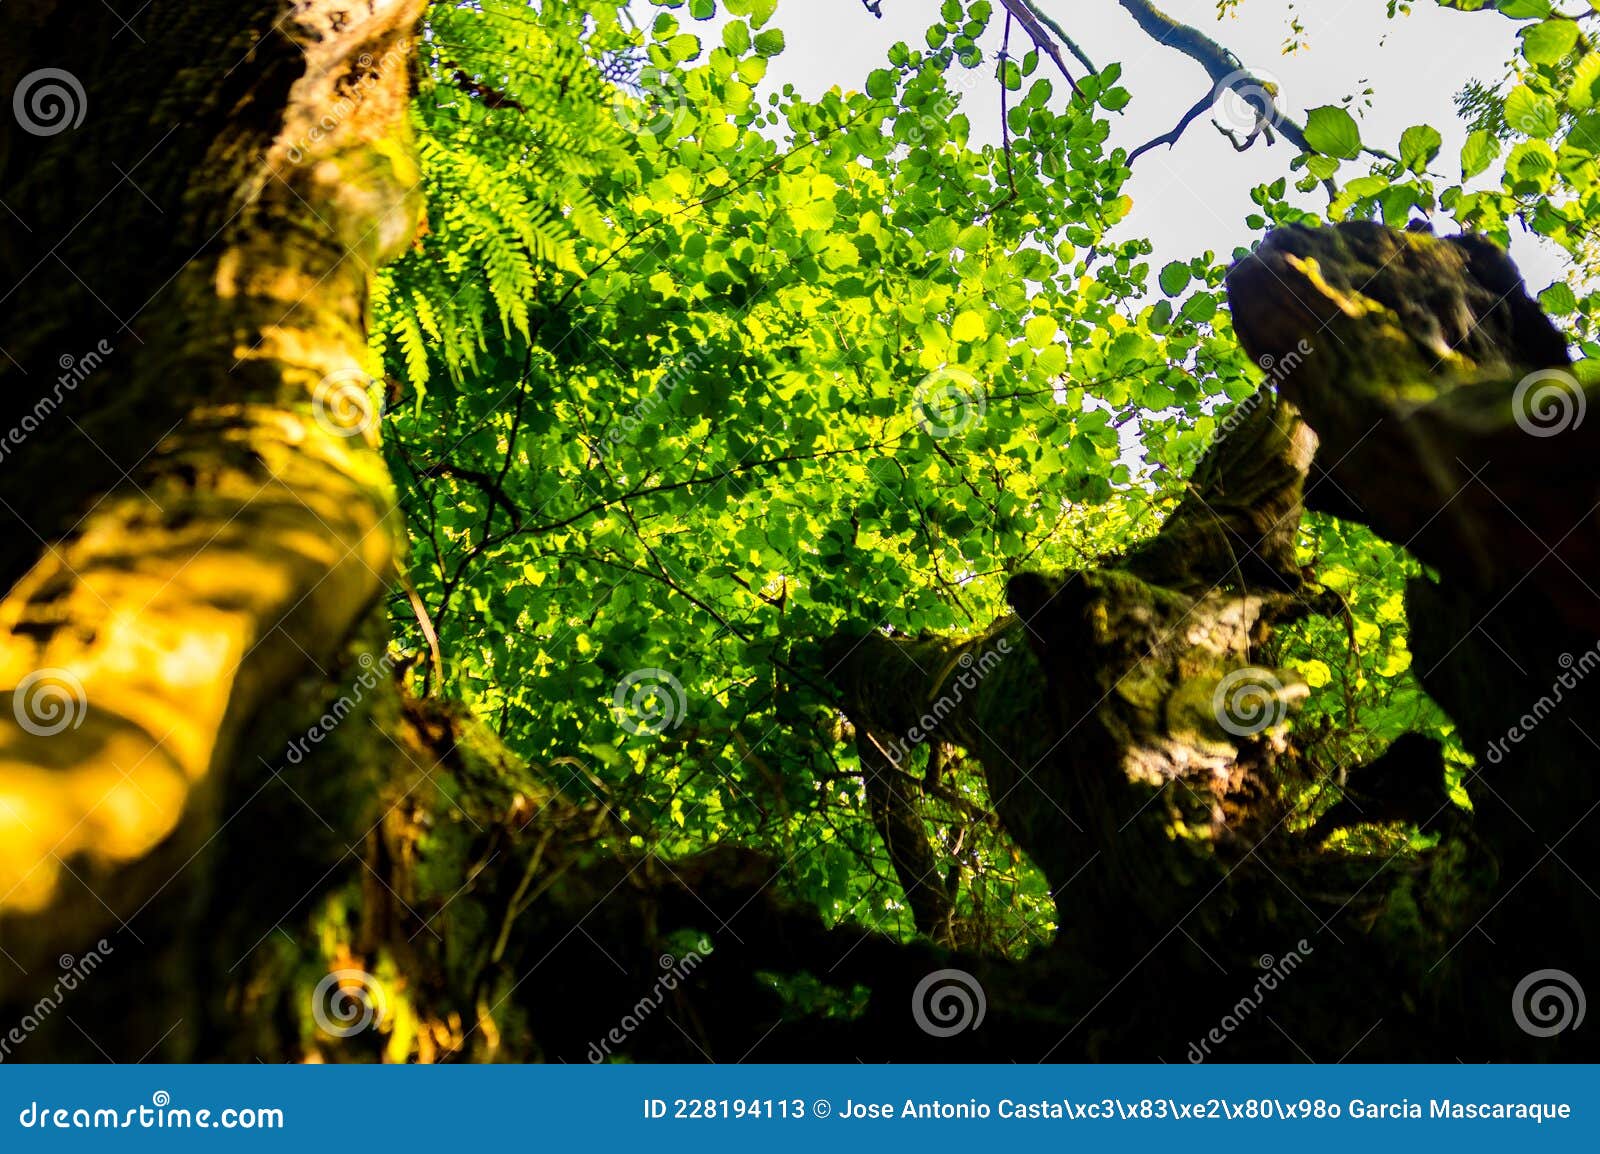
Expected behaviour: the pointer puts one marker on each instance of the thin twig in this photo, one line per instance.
(1061, 35)
(1040, 36)
(1005, 112)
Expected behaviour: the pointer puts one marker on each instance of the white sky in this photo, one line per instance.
(1195, 196)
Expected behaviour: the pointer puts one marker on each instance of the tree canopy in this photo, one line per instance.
(686, 374)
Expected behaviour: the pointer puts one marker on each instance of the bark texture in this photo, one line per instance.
(1147, 763)
(214, 221)
(1450, 425)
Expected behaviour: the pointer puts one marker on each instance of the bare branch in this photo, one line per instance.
(1060, 34)
(1170, 138)
(1039, 34)
(1225, 71)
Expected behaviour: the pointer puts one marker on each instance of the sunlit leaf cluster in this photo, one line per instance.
(690, 371)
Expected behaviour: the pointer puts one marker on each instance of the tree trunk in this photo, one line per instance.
(185, 331)
(1146, 761)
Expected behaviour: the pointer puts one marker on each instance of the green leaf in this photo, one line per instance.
(683, 47)
(1585, 134)
(1419, 144)
(1478, 153)
(1040, 331)
(1316, 673)
(1559, 300)
(1580, 95)
(1549, 41)
(969, 326)
(1532, 161)
(1174, 278)
(1362, 186)
(1531, 114)
(736, 37)
(759, 11)
(1397, 202)
(1322, 167)
(1201, 307)
(1332, 131)
(770, 42)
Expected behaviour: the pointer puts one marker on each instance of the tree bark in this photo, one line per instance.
(1168, 835)
(225, 522)
(1451, 425)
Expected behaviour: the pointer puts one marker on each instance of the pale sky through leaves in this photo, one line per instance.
(1195, 196)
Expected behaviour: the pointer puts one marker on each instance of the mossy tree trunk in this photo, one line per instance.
(199, 521)
(1147, 762)
(1451, 425)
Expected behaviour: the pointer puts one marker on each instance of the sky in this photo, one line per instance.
(1195, 196)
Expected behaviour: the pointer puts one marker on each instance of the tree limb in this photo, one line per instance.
(1039, 34)
(1225, 71)
(1060, 34)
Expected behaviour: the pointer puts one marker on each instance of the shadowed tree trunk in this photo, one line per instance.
(193, 234)
(1451, 426)
(1146, 762)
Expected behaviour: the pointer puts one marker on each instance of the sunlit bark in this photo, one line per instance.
(159, 606)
